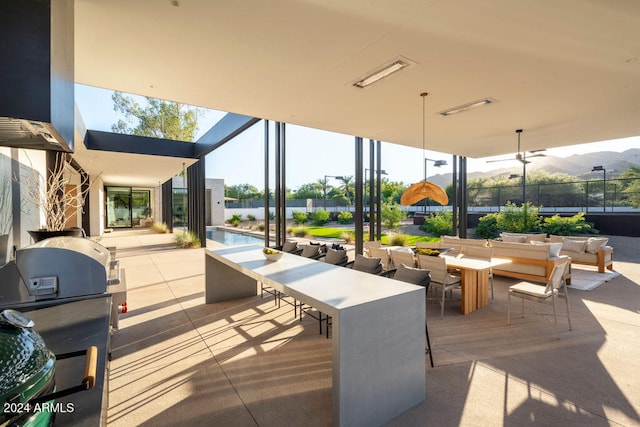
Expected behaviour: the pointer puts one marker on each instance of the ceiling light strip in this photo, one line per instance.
(466, 107)
(380, 74)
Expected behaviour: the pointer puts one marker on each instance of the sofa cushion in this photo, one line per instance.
(570, 245)
(513, 237)
(523, 237)
(519, 250)
(554, 248)
(595, 243)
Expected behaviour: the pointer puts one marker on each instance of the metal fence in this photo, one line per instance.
(616, 195)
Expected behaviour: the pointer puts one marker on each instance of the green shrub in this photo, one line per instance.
(320, 217)
(260, 226)
(488, 226)
(567, 226)
(251, 217)
(236, 220)
(299, 218)
(347, 236)
(522, 219)
(187, 239)
(438, 223)
(345, 217)
(272, 215)
(160, 228)
(300, 231)
(392, 215)
(398, 240)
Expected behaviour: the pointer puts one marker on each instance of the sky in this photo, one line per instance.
(311, 153)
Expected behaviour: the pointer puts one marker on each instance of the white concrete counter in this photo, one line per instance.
(378, 326)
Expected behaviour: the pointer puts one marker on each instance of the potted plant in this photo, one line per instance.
(50, 195)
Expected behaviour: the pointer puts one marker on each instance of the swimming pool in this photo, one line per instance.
(230, 238)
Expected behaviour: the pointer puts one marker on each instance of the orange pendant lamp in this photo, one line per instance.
(423, 189)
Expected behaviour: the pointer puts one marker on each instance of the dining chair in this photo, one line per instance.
(402, 257)
(483, 253)
(370, 244)
(543, 293)
(420, 277)
(383, 254)
(440, 276)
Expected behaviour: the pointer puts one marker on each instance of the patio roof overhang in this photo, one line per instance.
(566, 72)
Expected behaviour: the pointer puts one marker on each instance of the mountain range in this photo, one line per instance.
(578, 165)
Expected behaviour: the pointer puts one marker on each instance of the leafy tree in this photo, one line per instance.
(345, 217)
(299, 217)
(568, 226)
(320, 217)
(631, 185)
(243, 191)
(519, 219)
(392, 215)
(392, 190)
(313, 190)
(438, 223)
(488, 226)
(158, 118)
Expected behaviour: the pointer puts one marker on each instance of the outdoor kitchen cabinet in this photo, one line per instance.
(71, 327)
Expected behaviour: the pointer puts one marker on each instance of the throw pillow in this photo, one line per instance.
(574, 245)
(595, 243)
(554, 249)
(289, 246)
(411, 275)
(368, 265)
(336, 256)
(309, 251)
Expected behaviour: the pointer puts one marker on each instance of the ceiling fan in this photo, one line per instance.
(522, 156)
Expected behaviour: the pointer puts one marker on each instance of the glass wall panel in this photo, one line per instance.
(140, 207)
(179, 207)
(118, 207)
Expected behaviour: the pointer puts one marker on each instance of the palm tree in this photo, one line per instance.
(348, 186)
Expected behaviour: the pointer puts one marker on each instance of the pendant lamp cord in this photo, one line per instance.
(424, 120)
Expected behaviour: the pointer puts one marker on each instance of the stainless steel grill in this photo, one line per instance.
(63, 269)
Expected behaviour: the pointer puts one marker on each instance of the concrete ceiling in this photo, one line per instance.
(567, 72)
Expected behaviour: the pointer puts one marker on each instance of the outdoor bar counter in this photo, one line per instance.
(378, 326)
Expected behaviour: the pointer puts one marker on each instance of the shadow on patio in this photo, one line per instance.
(246, 362)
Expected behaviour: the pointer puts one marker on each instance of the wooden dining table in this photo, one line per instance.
(474, 279)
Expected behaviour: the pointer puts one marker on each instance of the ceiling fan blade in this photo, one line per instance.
(498, 160)
(537, 155)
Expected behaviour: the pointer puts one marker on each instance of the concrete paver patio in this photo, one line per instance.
(179, 361)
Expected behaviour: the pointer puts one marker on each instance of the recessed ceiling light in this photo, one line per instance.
(383, 72)
(466, 107)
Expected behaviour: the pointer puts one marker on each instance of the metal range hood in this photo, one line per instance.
(36, 74)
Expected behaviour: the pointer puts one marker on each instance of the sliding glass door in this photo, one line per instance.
(127, 207)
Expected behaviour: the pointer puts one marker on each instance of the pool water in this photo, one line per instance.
(230, 238)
